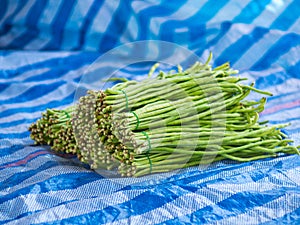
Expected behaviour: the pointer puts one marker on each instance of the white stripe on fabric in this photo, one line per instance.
(71, 74)
(45, 175)
(38, 43)
(80, 207)
(292, 175)
(97, 29)
(284, 115)
(49, 13)
(16, 89)
(74, 23)
(21, 115)
(20, 77)
(229, 11)
(273, 180)
(295, 136)
(9, 11)
(287, 59)
(18, 59)
(105, 14)
(261, 73)
(192, 7)
(257, 50)
(293, 85)
(101, 189)
(9, 37)
(216, 28)
(33, 164)
(275, 5)
(183, 205)
(233, 188)
(58, 94)
(295, 27)
(234, 34)
(8, 142)
(13, 91)
(44, 24)
(271, 12)
(131, 32)
(15, 129)
(20, 18)
(92, 79)
(132, 76)
(138, 6)
(17, 154)
(233, 172)
(290, 97)
(267, 212)
(31, 202)
(28, 115)
(19, 30)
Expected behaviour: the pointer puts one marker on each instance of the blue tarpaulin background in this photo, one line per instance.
(45, 47)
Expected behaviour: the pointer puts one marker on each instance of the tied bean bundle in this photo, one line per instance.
(175, 120)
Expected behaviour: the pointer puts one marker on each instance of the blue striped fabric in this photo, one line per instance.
(260, 38)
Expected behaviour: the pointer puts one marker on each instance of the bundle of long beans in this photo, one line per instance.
(54, 128)
(175, 120)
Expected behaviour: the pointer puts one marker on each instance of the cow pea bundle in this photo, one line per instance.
(177, 119)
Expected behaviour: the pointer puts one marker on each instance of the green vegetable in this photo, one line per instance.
(175, 120)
